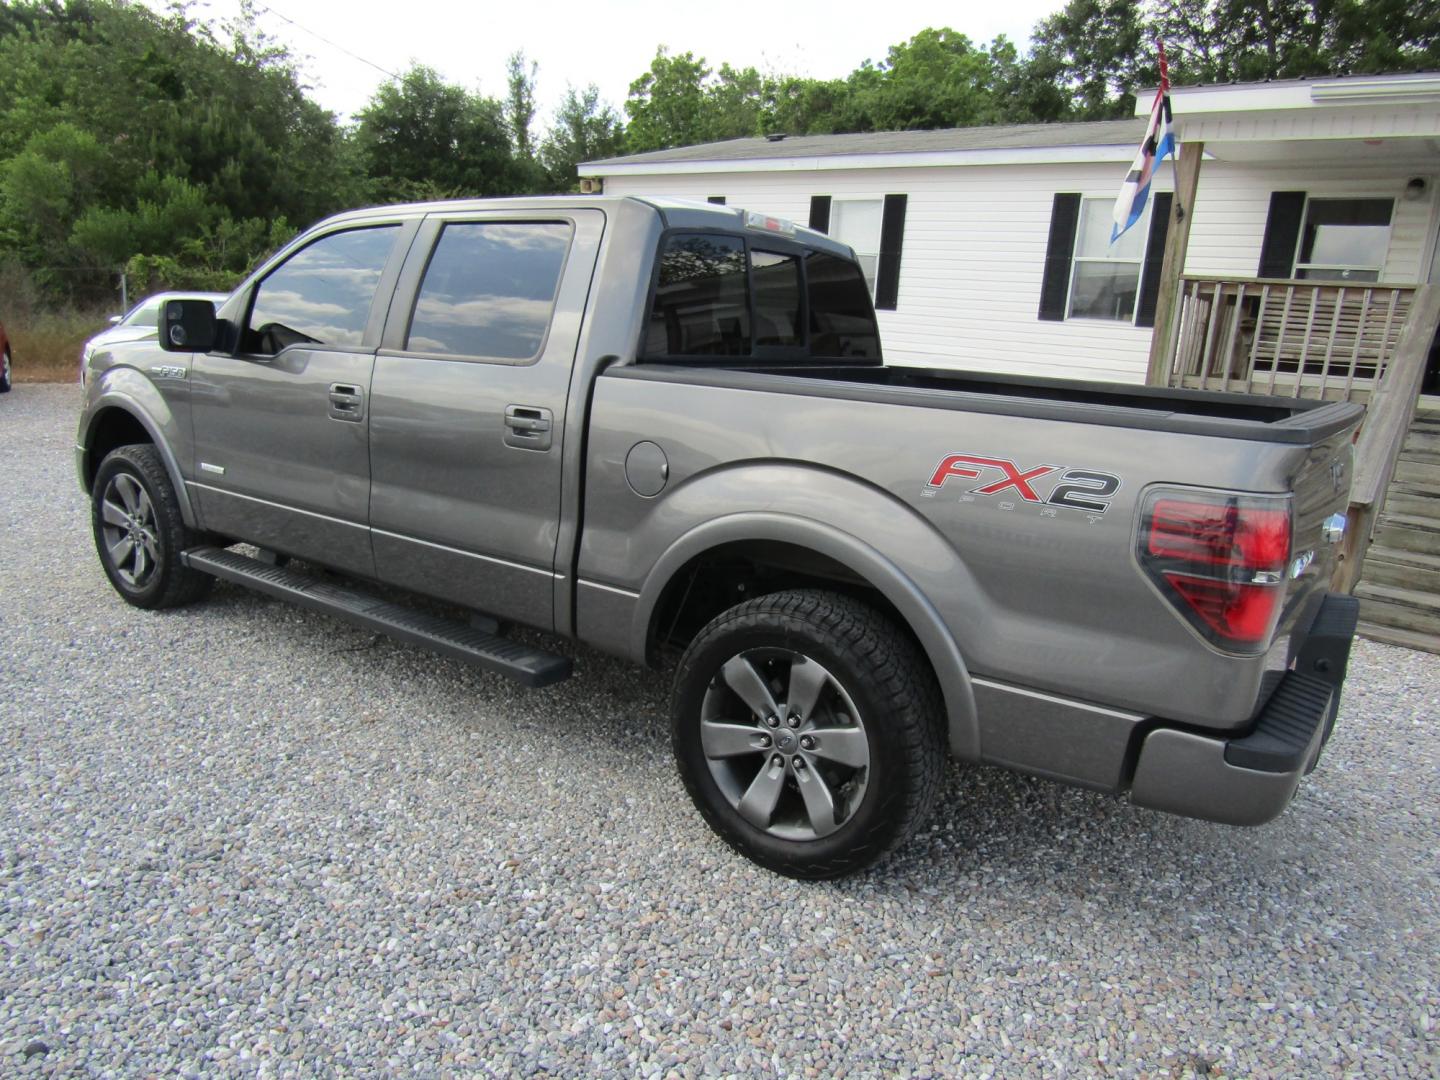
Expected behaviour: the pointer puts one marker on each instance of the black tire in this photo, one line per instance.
(863, 664)
(147, 573)
(5, 372)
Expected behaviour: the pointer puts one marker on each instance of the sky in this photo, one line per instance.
(344, 45)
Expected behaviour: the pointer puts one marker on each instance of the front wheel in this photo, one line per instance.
(808, 732)
(140, 533)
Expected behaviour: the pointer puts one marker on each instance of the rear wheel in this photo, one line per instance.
(140, 533)
(808, 732)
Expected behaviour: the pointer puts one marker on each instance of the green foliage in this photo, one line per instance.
(123, 132)
(1098, 52)
(422, 137)
(1248, 40)
(583, 129)
(667, 104)
(520, 104)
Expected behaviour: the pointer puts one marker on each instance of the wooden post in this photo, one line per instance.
(1177, 242)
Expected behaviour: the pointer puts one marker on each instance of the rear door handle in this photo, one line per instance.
(347, 402)
(528, 427)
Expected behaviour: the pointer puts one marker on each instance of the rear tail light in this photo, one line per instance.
(1220, 560)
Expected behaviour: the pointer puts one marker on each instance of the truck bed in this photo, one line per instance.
(1195, 412)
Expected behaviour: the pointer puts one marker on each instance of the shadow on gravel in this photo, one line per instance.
(992, 828)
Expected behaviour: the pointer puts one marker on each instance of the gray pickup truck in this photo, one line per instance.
(666, 430)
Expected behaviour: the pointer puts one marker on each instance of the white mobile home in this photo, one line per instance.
(988, 248)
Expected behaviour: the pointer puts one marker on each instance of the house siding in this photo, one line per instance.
(1233, 200)
(974, 249)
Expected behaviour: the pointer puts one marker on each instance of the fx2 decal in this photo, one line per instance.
(1085, 490)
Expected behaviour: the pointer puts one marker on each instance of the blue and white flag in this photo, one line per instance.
(1159, 141)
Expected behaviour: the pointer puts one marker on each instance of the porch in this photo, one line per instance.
(1375, 344)
(1310, 339)
(1338, 307)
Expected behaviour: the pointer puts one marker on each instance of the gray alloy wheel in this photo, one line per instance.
(809, 732)
(785, 743)
(140, 532)
(5, 371)
(130, 530)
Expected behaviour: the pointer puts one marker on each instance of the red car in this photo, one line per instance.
(4, 361)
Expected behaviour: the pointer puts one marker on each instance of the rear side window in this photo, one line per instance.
(702, 305)
(714, 297)
(777, 298)
(490, 289)
(842, 322)
(321, 295)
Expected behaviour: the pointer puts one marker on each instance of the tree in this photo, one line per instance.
(520, 103)
(421, 137)
(797, 106)
(1247, 40)
(1098, 52)
(115, 116)
(583, 129)
(667, 104)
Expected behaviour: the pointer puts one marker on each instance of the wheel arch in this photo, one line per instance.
(117, 419)
(826, 555)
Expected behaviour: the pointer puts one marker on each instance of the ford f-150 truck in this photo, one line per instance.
(666, 430)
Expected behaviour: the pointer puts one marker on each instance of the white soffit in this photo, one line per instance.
(1378, 91)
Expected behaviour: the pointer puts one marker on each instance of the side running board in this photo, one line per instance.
(527, 666)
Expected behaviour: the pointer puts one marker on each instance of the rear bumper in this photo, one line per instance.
(1249, 780)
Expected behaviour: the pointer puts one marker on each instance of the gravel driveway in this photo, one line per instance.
(245, 839)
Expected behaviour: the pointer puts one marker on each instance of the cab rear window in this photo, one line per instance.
(718, 296)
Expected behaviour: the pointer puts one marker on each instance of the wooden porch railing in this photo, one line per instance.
(1294, 338)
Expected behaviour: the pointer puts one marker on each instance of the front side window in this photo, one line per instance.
(1344, 239)
(857, 222)
(322, 294)
(1105, 278)
(490, 289)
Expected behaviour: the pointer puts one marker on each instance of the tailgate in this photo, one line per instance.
(1322, 497)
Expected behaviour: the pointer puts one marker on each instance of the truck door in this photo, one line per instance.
(468, 403)
(281, 444)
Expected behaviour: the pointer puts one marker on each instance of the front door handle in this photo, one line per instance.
(347, 402)
(528, 427)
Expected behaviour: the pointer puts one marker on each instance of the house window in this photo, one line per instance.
(1105, 279)
(857, 222)
(1344, 239)
(1087, 277)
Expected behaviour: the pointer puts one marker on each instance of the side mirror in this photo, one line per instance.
(188, 326)
(115, 319)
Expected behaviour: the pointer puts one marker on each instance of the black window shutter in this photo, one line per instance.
(820, 213)
(1154, 259)
(1055, 286)
(1282, 234)
(718, 200)
(892, 238)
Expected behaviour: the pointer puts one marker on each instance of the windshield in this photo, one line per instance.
(145, 313)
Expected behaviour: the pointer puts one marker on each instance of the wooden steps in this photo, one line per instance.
(1399, 589)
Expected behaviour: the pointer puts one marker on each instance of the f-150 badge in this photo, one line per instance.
(1085, 490)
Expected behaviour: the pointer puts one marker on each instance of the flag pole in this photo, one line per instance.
(1164, 92)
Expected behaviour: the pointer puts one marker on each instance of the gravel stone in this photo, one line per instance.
(245, 839)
